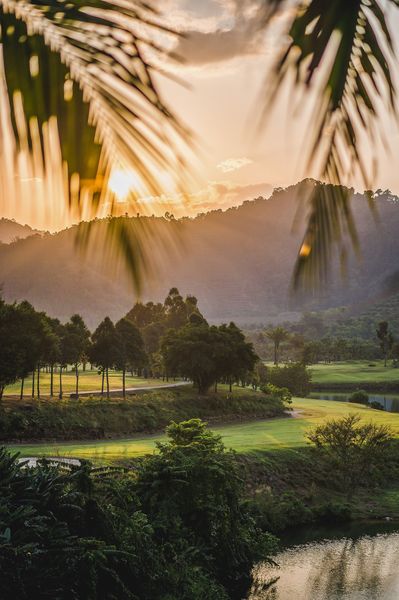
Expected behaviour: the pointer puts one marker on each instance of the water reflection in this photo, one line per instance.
(388, 402)
(346, 569)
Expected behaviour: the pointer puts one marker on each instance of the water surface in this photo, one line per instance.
(365, 568)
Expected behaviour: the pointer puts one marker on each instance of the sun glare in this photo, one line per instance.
(122, 183)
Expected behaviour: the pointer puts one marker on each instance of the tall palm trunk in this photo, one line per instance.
(60, 394)
(33, 383)
(124, 381)
(102, 382)
(21, 394)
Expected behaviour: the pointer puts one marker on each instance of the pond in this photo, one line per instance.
(353, 567)
(389, 402)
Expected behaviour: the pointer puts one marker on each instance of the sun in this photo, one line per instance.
(122, 182)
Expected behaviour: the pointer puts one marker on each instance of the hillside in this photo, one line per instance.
(238, 263)
(10, 231)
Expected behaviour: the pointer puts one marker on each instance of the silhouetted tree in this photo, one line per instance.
(130, 349)
(385, 338)
(277, 336)
(104, 349)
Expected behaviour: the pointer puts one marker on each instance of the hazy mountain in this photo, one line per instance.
(10, 231)
(238, 263)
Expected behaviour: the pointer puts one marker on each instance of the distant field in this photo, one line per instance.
(354, 372)
(88, 381)
(255, 436)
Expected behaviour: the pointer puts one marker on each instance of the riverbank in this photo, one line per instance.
(290, 488)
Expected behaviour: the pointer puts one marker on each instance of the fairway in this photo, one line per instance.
(88, 381)
(354, 372)
(254, 436)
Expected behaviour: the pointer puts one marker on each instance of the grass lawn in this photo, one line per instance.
(354, 372)
(88, 381)
(254, 436)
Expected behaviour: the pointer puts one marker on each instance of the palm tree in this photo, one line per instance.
(78, 86)
(277, 336)
(344, 51)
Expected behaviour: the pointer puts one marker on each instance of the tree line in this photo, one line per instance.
(31, 340)
(170, 339)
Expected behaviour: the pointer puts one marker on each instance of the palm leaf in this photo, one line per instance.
(85, 67)
(344, 49)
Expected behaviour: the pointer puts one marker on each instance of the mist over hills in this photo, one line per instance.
(238, 263)
(11, 231)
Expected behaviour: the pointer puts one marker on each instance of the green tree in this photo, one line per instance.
(191, 489)
(76, 344)
(295, 377)
(386, 339)
(194, 352)
(104, 349)
(356, 450)
(130, 349)
(278, 335)
(238, 358)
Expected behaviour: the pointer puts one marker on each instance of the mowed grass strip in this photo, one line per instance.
(354, 372)
(255, 436)
(88, 381)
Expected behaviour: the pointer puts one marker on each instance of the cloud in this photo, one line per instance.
(233, 33)
(216, 195)
(233, 164)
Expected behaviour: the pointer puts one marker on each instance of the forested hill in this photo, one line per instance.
(238, 263)
(10, 231)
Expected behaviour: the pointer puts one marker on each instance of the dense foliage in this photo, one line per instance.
(174, 529)
(208, 354)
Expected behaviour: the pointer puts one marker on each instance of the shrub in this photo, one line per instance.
(333, 512)
(282, 394)
(359, 397)
(295, 377)
(376, 405)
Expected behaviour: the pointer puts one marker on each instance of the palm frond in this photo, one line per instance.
(84, 70)
(344, 50)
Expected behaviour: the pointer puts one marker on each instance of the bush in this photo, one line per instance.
(359, 397)
(276, 513)
(376, 405)
(295, 377)
(333, 512)
(282, 394)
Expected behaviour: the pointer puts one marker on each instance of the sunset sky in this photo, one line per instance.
(225, 64)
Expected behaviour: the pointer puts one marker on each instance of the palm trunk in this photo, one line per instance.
(38, 381)
(124, 382)
(60, 395)
(77, 380)
(21, 394)
(51, 381)
(230, 385)
(102, 383)
(33, 383)
(107, 384)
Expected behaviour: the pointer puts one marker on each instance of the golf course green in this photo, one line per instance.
(288, 432)
(354, 372)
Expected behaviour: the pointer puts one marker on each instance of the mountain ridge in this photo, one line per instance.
(238, 262)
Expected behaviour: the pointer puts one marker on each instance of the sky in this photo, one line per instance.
(226, 59)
